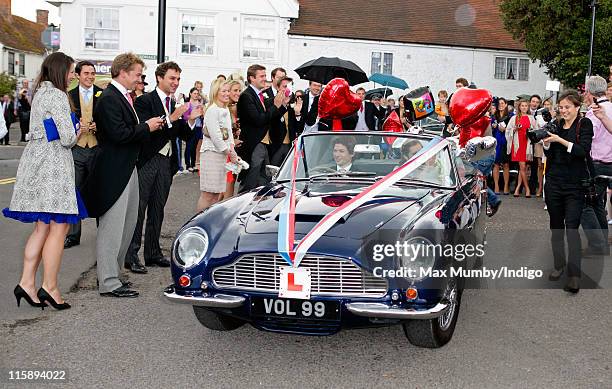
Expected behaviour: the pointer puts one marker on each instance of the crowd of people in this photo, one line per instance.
(119, 147)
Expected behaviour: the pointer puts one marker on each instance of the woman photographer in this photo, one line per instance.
(567, 175)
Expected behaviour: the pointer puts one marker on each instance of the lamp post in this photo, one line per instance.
(161, 31)
(593, 6)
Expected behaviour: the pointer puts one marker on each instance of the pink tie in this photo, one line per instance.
(129, 98)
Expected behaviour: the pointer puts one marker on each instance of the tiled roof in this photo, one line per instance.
(465, 23)
(21, 34)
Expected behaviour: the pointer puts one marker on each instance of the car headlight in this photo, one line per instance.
(190, 247)
(418, 256)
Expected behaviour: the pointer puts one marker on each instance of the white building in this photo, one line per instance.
(21, 49)
(431, 45)
(205, 37)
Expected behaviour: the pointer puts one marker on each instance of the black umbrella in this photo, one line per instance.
(383, 92)
(325, 69)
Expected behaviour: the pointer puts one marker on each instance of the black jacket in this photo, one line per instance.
(120, 138)
(150, 105)
(371, 114)
(255, 121)
(9, 114)
(76, 101)
(570, 168)
(309, 117)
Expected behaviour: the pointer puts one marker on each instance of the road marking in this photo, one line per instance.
(6, 181)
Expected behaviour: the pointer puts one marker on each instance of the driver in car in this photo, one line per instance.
(343, 153)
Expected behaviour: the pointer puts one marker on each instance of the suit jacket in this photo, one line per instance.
(371, 114)
(9, 114)
(309, 117)
(150, 105)
(120, 138)
(255, 121)
(76, 100)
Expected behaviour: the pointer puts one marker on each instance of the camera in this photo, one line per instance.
(535, 136)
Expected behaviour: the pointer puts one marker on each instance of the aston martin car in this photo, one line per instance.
(371, 266)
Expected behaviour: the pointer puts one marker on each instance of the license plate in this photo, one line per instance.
(295, 309)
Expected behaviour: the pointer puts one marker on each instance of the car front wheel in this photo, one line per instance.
(216, 321)
(435, 333)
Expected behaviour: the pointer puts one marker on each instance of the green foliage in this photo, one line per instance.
(7, 84)
(558, 32)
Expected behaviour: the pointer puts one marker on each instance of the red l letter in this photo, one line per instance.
(291, 283)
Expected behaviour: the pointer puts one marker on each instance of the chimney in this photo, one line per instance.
(42, 16)
(5, 8)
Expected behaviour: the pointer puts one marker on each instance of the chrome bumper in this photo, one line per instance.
(378, 310)
(216, 301)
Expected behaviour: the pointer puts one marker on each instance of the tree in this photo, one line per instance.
(557, 33)
(7, 84)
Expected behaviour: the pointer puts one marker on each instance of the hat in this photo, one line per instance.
(376, 96)
(596, 85)
(286, 78)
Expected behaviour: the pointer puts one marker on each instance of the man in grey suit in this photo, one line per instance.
(111, 193)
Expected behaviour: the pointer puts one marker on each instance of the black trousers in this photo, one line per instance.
(564, 203)
(24, 125)
(280, 154)
(256, 175)
(154, 181)
(83, 158)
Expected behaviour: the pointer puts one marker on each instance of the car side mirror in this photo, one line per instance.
(272, 171)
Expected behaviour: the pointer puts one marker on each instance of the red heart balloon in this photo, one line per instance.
(468, 105)
(474, 130)
(337, 101)
(392, 124)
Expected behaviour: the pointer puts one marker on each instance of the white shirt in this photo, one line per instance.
(311, 98)
(89, 90)
(167, 149)
(361, 122)
(346, 168)
(124, 92)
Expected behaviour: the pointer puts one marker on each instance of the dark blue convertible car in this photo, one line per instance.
(227, 264)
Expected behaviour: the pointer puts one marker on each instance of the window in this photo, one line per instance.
(11, 63)
(198, 34)
(22, 64)
(102, 28)
(524, 70)
(381, 63)
(511, 69)
(259, 38)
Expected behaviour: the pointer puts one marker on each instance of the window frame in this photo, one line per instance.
(516, 70)
(181, 14)
(277, 37)
(22, 58)
(382, 61)
(11, 64)
(83, 36)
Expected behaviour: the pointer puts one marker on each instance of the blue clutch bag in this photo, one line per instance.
(51, 127)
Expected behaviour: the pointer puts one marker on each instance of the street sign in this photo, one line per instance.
(553, 86)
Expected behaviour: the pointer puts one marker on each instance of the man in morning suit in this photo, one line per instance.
(310, 106)
(7, 109)
(111, 192)
(255, 119)
(84, 98)
(157, 164)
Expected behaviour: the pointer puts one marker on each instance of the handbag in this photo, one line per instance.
(224, 132)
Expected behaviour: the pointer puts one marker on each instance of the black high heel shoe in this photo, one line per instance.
(44, 296)
(21, 293)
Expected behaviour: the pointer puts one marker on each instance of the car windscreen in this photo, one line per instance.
(367, 156)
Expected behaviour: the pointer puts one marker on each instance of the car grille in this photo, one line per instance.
(330, 276)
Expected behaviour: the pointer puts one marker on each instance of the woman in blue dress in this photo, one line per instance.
(499, 120)
(45, 192)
